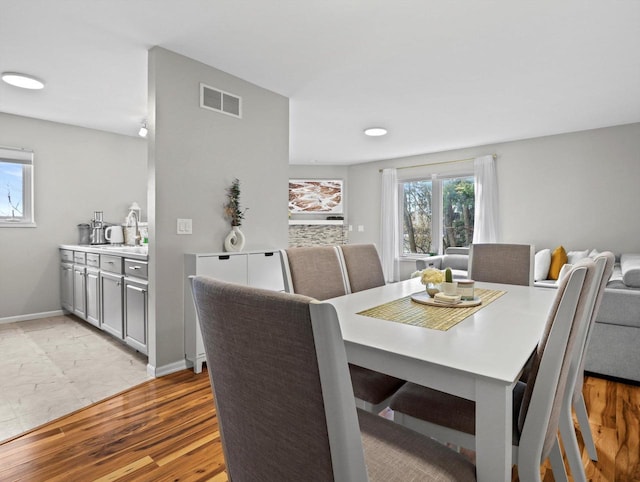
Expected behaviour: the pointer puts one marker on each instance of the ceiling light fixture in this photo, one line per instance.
(23, 81)
(375, 131)
(143, 130)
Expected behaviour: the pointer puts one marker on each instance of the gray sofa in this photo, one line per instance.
(614, 349)
(455, 258)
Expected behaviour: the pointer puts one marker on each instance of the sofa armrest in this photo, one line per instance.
(620, 307)
(429, 262)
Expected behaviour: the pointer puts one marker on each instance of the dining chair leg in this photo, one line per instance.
(570, 443)
(585, 428)
(557, 464)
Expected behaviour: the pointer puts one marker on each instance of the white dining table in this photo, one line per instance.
(480, 358)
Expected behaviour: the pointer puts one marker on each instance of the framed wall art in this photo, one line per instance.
(321, 196)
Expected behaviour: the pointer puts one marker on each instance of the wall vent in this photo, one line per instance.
(220, 101)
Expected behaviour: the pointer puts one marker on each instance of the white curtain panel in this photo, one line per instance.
(485, 228)
(389, 222)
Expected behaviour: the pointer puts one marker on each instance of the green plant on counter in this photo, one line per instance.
(448, 276)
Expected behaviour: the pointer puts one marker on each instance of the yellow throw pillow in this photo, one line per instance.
(558, 260)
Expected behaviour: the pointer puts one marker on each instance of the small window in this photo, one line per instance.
(16, 187)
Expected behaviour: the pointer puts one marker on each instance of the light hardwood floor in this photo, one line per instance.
(166, 429)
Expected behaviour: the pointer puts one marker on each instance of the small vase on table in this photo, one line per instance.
(432, 289)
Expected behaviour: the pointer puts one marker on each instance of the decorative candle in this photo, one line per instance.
(465, 289)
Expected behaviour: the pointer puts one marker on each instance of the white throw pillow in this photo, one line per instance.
(542, 264)
(574, 256)
(564, 270)
(593, 253)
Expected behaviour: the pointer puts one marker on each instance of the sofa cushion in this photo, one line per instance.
(615, 281)
(630, 266)
(541, 264)
(558, 260)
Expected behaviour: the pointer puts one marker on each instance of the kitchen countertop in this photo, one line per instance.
(134, 252)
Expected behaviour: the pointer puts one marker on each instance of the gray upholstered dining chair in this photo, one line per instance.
(573, 396)
(537, 404)
(362, 266)
(313, 271)
(502, 263)
(318, 272)
(278, 371)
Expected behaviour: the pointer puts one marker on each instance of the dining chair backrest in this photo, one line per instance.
(283, 400)
(502, 263)
(604, 267)
(363, 269)
(573, 397)
(538, 419)
(314, 271)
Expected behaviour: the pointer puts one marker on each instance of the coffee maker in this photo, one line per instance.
(97, 229)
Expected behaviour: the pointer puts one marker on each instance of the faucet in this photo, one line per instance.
(134, 215)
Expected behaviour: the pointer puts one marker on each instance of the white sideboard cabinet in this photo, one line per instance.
(260, 269)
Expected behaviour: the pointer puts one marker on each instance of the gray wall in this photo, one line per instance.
(194, 154)
(76, 171)
(580, 190)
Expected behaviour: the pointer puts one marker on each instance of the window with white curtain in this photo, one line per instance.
(436, 213)
(16, 187)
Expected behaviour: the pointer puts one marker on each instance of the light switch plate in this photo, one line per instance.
(360, 228)
(184, 226)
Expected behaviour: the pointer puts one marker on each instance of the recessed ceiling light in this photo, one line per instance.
(22, 80)
(375, 131)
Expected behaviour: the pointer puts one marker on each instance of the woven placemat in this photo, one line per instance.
(441, 318)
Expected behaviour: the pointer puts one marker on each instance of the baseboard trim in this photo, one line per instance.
(166, 369)
(32, 316)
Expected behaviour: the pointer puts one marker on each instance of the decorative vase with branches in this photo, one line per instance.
(234, 213)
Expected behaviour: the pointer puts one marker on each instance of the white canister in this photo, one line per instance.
(130, 235)
(466, 289)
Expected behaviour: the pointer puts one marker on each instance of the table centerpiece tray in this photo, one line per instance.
(425, 299)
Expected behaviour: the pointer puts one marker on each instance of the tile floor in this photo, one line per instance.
(53, 366)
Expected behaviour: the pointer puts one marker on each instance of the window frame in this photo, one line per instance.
(25, 158)
(437, 180)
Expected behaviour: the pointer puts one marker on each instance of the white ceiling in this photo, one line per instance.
(438, 75)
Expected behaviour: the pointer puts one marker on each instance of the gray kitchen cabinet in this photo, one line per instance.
(136, 304)
(79, 291)
(108, 288)
(92, 281)
(66, 286)
(112, 295)
(261, 269)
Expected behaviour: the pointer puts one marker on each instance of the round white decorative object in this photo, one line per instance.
(234, 240)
